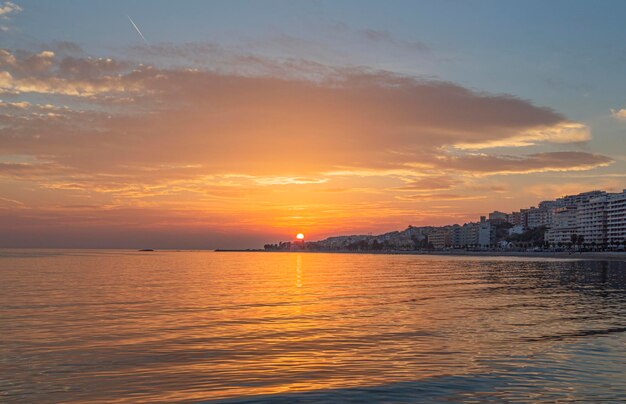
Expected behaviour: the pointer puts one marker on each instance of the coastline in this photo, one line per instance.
(589, 255)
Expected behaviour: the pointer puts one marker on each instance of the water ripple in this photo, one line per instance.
(126, 327)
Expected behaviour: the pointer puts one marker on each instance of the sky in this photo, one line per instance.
(225, 124)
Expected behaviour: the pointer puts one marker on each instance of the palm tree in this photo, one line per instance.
(581, 241)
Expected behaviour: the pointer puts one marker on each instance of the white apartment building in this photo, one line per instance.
(616, 218)
(592, 220)
(486, 234)
(564, 225)
(578, 199)
(441, 238)
(466, 235)
(536, 217)
(515, 218)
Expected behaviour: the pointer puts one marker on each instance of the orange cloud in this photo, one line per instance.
(619, 113)
(533, 163)
(266, 125)
(261, 149)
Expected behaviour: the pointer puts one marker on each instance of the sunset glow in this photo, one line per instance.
(159, 136)
(323, 201)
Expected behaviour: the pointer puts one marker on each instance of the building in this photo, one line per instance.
(564, 225)
(578, 199)
(542, 215)
(466, 235)
(415, 233)
(440, 238)
(597, 217)
(547, 205)
(517, 229)
(524, 217)
(616, 218)
(486, 234)
(537, 217)
(592, 220)
(515, 218)
(498, 217)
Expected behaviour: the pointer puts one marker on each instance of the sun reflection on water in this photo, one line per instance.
(234, 325)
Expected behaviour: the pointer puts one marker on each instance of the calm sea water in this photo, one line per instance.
(123, 326)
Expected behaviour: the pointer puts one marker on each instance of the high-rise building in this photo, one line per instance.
(498, 217)
(524, 217)
(575, 200)
(440, 238)
(592, 220)
(564, 225)
(466, 235)
(486, 234)
(616, 218)
(515, 218)
(537, 217)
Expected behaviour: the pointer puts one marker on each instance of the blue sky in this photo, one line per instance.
(571, 53)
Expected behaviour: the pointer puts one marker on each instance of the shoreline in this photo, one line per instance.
(589, 255)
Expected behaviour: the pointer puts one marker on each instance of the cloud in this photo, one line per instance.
(434, 183)
(45, 73)
(7, 59)
(533, 163)
(66, 48)
(385, 37)
(270, 144)
(289, 180)
(19, 104)
(282, 127)
(440, 197)
(8, 9)
(619, 113)
(333, 42)
(563, 132)
(5, 202)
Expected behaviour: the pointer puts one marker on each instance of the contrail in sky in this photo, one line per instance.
(137, 29)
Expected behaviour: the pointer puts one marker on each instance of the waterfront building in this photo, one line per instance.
(537, 217)
(466, 235)
(498, 217)
(515, 218)
(596, 216)
(564, 225)
(486, 234)
(524, 217)
(399, 241)
(578, 199)
(616, 218)
(517, 229)
(440, 238)
(415, 233)
(592, 220)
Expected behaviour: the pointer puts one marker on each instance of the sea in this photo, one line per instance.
(121, 326)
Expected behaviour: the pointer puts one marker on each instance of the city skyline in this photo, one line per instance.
(595, 219)
(228, 124)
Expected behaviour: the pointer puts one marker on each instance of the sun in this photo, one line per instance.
(300, 236)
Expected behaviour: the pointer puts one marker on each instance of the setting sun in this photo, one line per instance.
(300, 236)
